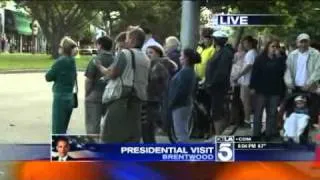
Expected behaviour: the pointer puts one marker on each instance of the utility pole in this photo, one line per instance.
(190, 23)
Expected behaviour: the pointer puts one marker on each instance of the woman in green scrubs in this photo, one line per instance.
(63, 73)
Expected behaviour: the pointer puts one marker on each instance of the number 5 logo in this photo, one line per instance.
(225, 152)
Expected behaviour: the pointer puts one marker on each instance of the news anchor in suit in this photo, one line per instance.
(63, 148)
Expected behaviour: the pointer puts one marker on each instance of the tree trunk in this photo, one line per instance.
(110, 27)
(238, 38)
(33, 44)
(55, 44)
(55, 48)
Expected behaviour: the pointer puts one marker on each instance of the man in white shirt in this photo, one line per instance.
(244, 77)
(303, 72)
(150, 41)
(63, 148)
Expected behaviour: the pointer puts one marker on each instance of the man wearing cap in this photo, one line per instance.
(206, 50)
(303, 70)
(217, 79)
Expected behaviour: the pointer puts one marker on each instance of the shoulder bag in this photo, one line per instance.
(114, 89)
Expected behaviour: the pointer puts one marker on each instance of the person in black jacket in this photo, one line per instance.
(267, 83)
(181, 90)
(217, 79)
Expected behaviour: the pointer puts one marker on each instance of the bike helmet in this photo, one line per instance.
(220, 37)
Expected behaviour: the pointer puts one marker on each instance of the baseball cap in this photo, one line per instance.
(303, 36)
(300, 98)
(220, 34)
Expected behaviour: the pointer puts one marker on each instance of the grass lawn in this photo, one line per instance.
(34, 61)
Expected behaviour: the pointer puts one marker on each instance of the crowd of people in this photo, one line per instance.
(135, 85)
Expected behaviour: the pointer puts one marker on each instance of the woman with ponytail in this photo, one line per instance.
(181, 90)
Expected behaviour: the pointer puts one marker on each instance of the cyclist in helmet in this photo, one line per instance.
(217, 79)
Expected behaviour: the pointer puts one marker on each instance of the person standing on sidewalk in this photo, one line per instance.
(157, 86)
(149, 41)
(181, 91)
(122, 121)
(217, 79)
(64, 75)
(237, 113)
(95, 85)
(172, 50)
(120, 42)
(250, 45)
(206, 51)
(266, 82)
(3, 42)
(303, 72)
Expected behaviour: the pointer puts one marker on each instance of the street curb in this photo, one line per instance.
(27, 71)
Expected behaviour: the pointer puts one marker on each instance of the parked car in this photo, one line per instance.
(87, 50)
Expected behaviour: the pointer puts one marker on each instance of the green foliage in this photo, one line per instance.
(86, 38)
(59, 18)
(298, 16)
(162, 17)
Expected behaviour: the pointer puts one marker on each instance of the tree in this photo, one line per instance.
(301, 16)
(239, 7)
(109, 12)
(298, 17)
(162, 17)
(58, 19)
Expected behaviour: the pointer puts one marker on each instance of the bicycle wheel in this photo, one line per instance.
(171, 133)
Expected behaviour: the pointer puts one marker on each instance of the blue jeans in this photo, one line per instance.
(181, 122)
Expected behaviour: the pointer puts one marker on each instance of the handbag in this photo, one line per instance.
(114, 90)
(75, 95)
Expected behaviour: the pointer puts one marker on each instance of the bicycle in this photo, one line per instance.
(200, 121)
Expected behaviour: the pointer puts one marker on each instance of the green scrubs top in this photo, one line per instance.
(63, 73)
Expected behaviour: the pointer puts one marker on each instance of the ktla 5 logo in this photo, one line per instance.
(225, 152)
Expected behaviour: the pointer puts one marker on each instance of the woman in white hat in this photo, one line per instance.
(63, 74)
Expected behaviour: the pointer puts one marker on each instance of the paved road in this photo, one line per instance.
(25, 109)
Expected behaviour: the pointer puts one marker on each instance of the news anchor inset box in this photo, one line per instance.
(74, 148)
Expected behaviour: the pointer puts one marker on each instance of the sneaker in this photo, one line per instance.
(285, 138)
(296, 139)
(247, 121)
(317, 126)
